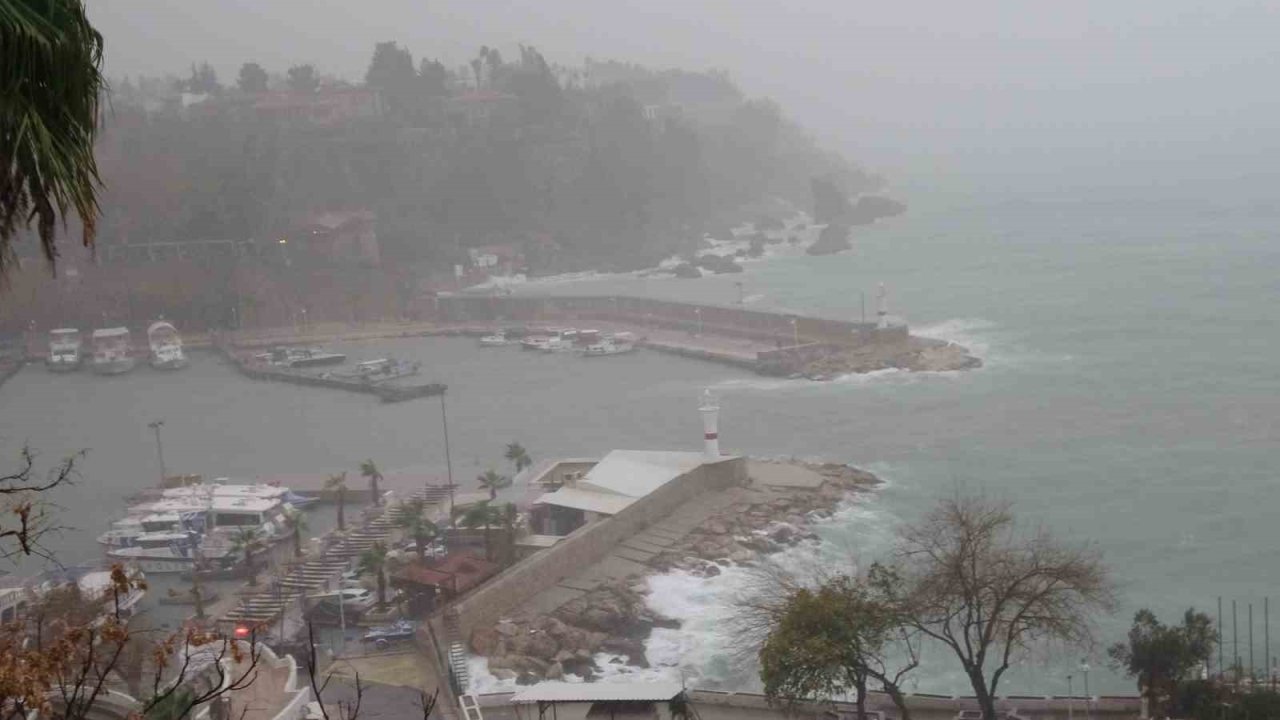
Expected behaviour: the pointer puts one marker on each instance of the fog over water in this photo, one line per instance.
(1091, 193)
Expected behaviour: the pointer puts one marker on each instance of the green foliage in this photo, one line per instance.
(374, 562)
(303, 79)
(1160, 657)
(517, 456)
(247, 541)
(391, 71)
(492, 481)
(829, 641)
(203, 79)
(252, 79)
(50, 86)
(411, 518)
(486, 515)
(369, 470)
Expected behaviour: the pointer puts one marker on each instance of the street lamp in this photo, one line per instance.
(741, 302)
(795, 333)
(1088, 706)
(155, 425)
(698, 311)
(1071, 703)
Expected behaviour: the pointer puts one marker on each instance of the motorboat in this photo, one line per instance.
(300, 357)
(96, 584)
(112, 351)
(497, 339)
(561, 341)
(373, 371)
(616, 344)
(64, 350)
(166, 346)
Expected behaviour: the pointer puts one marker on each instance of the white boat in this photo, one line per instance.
(166, 346)
(174, 554)
(613, 345)
(497, 339)
(213, 511)
(561, 341)
(300, 357)
(95, 584)
(112, 351)
(64, 350)
(373, 371)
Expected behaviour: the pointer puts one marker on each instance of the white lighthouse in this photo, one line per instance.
(710, 427)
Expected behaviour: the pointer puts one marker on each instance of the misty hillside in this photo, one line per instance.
(606, 165)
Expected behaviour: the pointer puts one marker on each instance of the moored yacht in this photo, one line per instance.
(112, 353)
(615, 344)
(166, 346)
(64, 350)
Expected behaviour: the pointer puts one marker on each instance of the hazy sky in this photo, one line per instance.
(1007, 92)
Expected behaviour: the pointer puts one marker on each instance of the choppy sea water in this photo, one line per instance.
(1129, 399)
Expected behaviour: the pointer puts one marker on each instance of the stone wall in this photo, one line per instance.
(588, 545)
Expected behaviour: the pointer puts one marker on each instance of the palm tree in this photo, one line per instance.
(248, 540)
(50, 88)
(374, 562)
(493, 482)
(483, 515)
(369, 470)
(338, 483)
(297, 522)
(518, 456)
(419, 528)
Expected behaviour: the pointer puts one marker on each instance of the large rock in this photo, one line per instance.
(834, 238)
(484, 641)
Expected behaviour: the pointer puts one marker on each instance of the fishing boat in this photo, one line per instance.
(166, 346)
(175, 554)
(64, 350)
(112, 353)
(616, 344)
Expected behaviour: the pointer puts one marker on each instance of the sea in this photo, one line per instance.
(1129, 399)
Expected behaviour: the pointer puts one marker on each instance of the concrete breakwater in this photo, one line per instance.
(770, 343)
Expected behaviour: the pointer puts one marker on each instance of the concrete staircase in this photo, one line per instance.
(457, 652)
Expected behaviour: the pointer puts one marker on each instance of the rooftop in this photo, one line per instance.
(621, 478)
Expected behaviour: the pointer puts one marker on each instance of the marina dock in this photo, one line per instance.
(387, 391)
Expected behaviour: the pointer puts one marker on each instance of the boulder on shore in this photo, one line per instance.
(834, 238)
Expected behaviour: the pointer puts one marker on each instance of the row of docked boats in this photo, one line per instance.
(111, 349)
(588, 343)
(178, 528)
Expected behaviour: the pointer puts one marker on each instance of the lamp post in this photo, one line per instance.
(795, 333)
(155, 426)
(1071, 703)
(698, 312)
(1088, 706)
(741, 301)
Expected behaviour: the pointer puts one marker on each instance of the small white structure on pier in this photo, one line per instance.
(710, 410)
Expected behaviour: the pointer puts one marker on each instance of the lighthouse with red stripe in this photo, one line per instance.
(710, 427)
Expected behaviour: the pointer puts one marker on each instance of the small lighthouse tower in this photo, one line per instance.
(710, 427)
(882, 308)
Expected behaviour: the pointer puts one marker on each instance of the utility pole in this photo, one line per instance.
(1252, 676)
(741, 301)
(1266, 635)
(155, 425)
(1221, 671)
(1088, 704)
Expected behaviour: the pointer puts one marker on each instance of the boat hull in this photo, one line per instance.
(336, 359)
(169, 363)
(117, 366)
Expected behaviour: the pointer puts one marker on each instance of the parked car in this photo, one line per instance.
(387, 635)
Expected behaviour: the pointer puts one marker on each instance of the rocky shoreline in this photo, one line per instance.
(915, 354)
(615, 619)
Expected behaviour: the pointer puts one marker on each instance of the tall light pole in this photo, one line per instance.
(741, 301)
(698, 311)
(155, 425)
(795, 333)
(448, 461)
